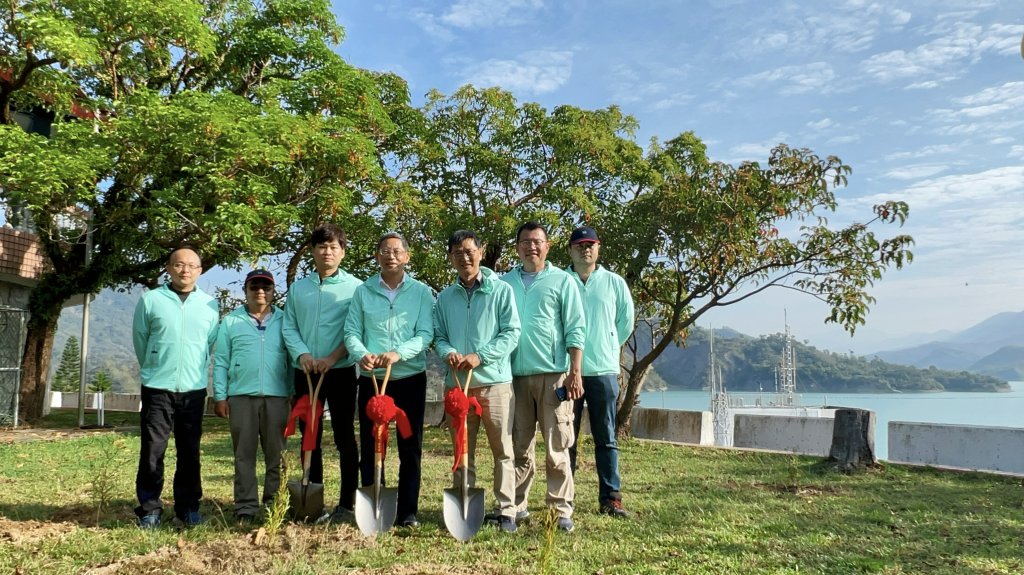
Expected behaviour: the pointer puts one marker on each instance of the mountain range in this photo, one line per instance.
(994, 347)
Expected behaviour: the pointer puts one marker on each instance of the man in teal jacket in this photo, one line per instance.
(251, 385)
(391, 322)
(314, 323)
(476, 327)
(546, 369)
(609, 310)
(172, 331)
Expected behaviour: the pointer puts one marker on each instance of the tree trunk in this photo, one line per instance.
(629, 394)
(35, 367)
(853, 440)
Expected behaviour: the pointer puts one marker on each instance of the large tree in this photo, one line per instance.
(689, 234)
(703, 234)
(231, 124)
(478, 159)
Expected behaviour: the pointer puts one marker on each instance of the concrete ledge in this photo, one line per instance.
(787, 433)
(959, 446)
(694, 427)
(111, 401)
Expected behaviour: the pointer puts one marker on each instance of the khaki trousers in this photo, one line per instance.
(496, 403)
(536, 402)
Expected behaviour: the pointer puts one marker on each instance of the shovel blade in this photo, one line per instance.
(463, 526)
(376, 515)
(306, 501)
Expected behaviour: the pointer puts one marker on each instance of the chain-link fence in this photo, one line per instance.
(12, 347)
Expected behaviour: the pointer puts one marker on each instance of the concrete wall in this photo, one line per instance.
(961, 446)
(673, 425)
(789, 433)
(111, 401)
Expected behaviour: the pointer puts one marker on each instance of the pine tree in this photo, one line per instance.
(101, 382)
(68, 373)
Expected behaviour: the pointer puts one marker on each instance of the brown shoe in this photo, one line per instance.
(614, 508)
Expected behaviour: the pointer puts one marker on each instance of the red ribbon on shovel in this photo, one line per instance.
(381, 410)
(457, 404)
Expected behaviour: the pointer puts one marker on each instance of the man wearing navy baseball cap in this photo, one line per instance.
(251, 386)
(608, 308)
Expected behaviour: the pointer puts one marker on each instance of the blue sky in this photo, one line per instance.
(924, 99)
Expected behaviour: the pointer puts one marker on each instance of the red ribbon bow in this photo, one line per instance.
(457, 405)
(301, 412)
(381, 409)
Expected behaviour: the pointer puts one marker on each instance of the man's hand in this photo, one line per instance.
(574, 385)
(309, 363)
(368, 362)
(454, 359)
(469, 361)
(388, 358)
(221, 408)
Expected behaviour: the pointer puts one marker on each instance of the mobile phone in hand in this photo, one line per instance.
(562, 393)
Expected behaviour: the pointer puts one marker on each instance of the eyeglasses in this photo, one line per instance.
(181, 266)
(464, 253)
(386, 252)
(532, 243)
(261, 287)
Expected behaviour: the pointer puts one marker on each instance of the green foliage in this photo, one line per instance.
(101, 383)
(68, 376)
(232, 124)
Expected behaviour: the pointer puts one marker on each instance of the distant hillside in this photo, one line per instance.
(1007, 363)
(969, 348)
(110, 337)
(748, 364)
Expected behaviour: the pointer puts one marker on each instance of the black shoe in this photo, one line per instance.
(507, 524)
(245, 519)
(614, 508)
(409, 521)
(342, 515)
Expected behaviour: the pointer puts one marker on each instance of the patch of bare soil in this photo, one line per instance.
(22, 532)
(21, 435)
(253, 553)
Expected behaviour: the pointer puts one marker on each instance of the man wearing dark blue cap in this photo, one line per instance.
(251, 385)
(608, 307)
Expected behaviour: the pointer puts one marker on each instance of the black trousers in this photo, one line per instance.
(164, 412)
(410, 395)
(339, 394)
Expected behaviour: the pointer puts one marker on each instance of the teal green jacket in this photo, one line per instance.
(485, 323)
(172, 339)
(376, 325)
(552, 315)
(315, 314)
(248, 360)
(608, 307)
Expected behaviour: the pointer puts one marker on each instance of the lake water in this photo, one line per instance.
(989, 409)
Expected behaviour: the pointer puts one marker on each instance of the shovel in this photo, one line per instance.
(376, 505)
(307, 499)
(464, 507)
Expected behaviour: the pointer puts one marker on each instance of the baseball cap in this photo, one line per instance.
(259, 275)
(583, 235)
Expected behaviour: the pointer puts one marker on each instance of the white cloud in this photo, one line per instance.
(820, 124)
(957, 44)
(1002, 185)
(676, 100)
(814, 77)
(488, 13)
(536, 72)
(916, 172)
(755, 151)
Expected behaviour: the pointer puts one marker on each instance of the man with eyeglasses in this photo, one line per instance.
(172, 331)
(390, 323)
(251, 386)
(476, 327)
(546, 370)
(608, 307)
(313, 329)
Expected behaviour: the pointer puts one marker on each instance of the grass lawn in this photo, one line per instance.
(66, 507)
